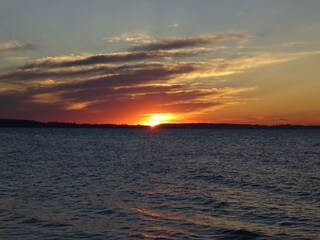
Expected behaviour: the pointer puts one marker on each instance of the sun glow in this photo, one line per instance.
(158, 118)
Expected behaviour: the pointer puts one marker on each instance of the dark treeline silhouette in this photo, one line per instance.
(36, 124)
(16, 123)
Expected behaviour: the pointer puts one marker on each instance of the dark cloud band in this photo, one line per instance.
(177, 43)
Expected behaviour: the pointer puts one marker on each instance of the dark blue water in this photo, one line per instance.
(159, 184)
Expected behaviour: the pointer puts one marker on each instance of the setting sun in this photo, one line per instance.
(158, 118)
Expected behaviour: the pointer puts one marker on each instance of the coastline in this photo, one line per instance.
(19, 123)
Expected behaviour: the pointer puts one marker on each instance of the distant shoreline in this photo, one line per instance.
(17, 123)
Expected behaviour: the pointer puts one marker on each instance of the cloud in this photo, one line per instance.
(75, 61)
(59, 69)
(184, 42)
(115, 89)
(144, 87)
(16, 58)
(133, 38)
(123, 86)
(14, 46)
(174, 25)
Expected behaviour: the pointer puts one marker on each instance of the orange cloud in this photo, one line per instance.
(123, 87)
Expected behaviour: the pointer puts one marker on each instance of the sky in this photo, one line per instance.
(157, 61)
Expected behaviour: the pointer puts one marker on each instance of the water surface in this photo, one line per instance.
(159, 184)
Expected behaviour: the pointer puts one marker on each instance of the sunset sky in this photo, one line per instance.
(154, 61)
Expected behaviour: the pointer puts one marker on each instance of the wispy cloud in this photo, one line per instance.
(133, 38)
(167, 77)
(16, 58)
(73, 71)
(174, 25)
(184, 42)
(14, 46)
(75, 61)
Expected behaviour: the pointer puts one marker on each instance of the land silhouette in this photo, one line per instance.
(19, 123)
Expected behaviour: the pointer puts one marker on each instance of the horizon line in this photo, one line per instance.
(11, 122)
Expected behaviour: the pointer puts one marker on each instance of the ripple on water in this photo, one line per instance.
(168, 184)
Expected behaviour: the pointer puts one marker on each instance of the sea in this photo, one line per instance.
(159, 183)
